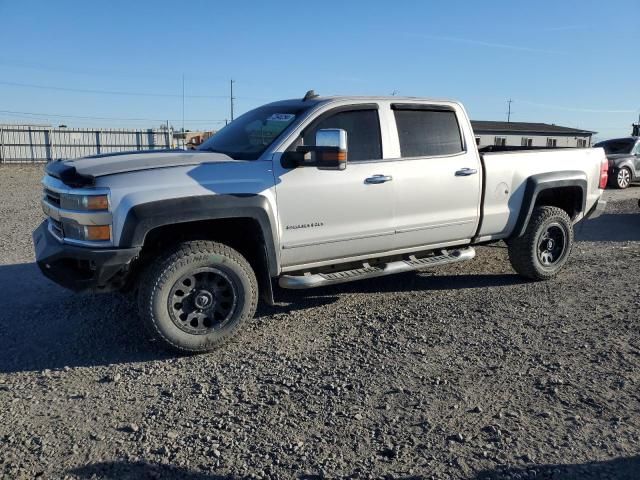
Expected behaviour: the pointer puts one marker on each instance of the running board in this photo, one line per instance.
(367, 271)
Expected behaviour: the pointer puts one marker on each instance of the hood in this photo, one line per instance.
(109, 164)
(83, 171)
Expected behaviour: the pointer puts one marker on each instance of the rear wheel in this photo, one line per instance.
(197, 296)
(623, 178)
(544, 248)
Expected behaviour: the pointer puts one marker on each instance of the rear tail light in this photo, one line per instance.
(604, 173)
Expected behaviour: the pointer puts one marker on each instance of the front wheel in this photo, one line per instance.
(197, 296)
(544, 248)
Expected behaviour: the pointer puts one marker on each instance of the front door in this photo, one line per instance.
(336, 215)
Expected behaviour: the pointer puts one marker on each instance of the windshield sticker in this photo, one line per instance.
(281, 117)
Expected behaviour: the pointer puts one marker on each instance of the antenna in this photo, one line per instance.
(509, 102)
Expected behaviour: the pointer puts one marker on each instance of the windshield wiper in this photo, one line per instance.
(231, 155)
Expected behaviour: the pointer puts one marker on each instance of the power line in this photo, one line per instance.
(574, 109)
(116, 92)
(104, 72)
(87, 117)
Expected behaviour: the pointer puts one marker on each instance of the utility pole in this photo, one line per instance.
(183, 103)
(509, 102)
(232, 98)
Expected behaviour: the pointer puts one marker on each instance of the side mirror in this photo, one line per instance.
(329, 152)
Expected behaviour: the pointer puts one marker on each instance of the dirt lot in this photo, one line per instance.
(466, 372)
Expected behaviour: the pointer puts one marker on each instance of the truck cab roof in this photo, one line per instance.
(302, 103)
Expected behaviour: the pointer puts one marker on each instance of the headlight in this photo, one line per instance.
(84, 202)
(91, 233)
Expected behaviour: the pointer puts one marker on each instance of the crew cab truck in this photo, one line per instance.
(306, 193)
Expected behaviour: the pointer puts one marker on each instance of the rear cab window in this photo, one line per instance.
(427, 131)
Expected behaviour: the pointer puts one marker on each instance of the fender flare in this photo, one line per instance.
(143, 218)
(537, 184)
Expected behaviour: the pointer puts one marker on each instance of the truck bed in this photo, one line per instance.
(505, 176)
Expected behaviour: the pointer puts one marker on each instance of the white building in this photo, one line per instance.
(524, 134)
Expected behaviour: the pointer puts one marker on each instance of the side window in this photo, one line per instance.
(637, 149)
(424, 133)
(363, 133)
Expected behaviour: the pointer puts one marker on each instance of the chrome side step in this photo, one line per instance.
(367, 271)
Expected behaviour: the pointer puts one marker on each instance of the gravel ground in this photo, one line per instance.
(465, 372)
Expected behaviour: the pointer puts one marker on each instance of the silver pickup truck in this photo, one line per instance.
(304, 193)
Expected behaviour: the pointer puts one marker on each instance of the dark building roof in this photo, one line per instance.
(480, 126)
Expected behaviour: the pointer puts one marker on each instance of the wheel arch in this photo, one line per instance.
(236, 220)
(624, 166)
(565, 189)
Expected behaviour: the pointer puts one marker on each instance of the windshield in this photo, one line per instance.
(621, 145)
(248, 136)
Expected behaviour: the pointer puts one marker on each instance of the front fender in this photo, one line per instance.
(143, 218)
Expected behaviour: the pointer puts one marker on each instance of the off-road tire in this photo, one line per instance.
(524, 251)
(158, 284)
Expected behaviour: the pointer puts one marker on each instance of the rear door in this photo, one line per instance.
(438, 180)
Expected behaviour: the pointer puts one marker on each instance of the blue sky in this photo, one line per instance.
(571, 63)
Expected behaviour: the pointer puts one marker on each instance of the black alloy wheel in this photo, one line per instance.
(202, 301)
(552, 245)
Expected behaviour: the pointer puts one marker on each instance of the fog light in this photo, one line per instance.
(97, 232)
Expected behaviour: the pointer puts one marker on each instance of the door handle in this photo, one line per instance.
(465, 172)
(378, 179)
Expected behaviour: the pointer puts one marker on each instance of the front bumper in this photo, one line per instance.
(597, 210)
(81, 268)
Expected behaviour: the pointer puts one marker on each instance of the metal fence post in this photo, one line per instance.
(1, 144)
(52, 153)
